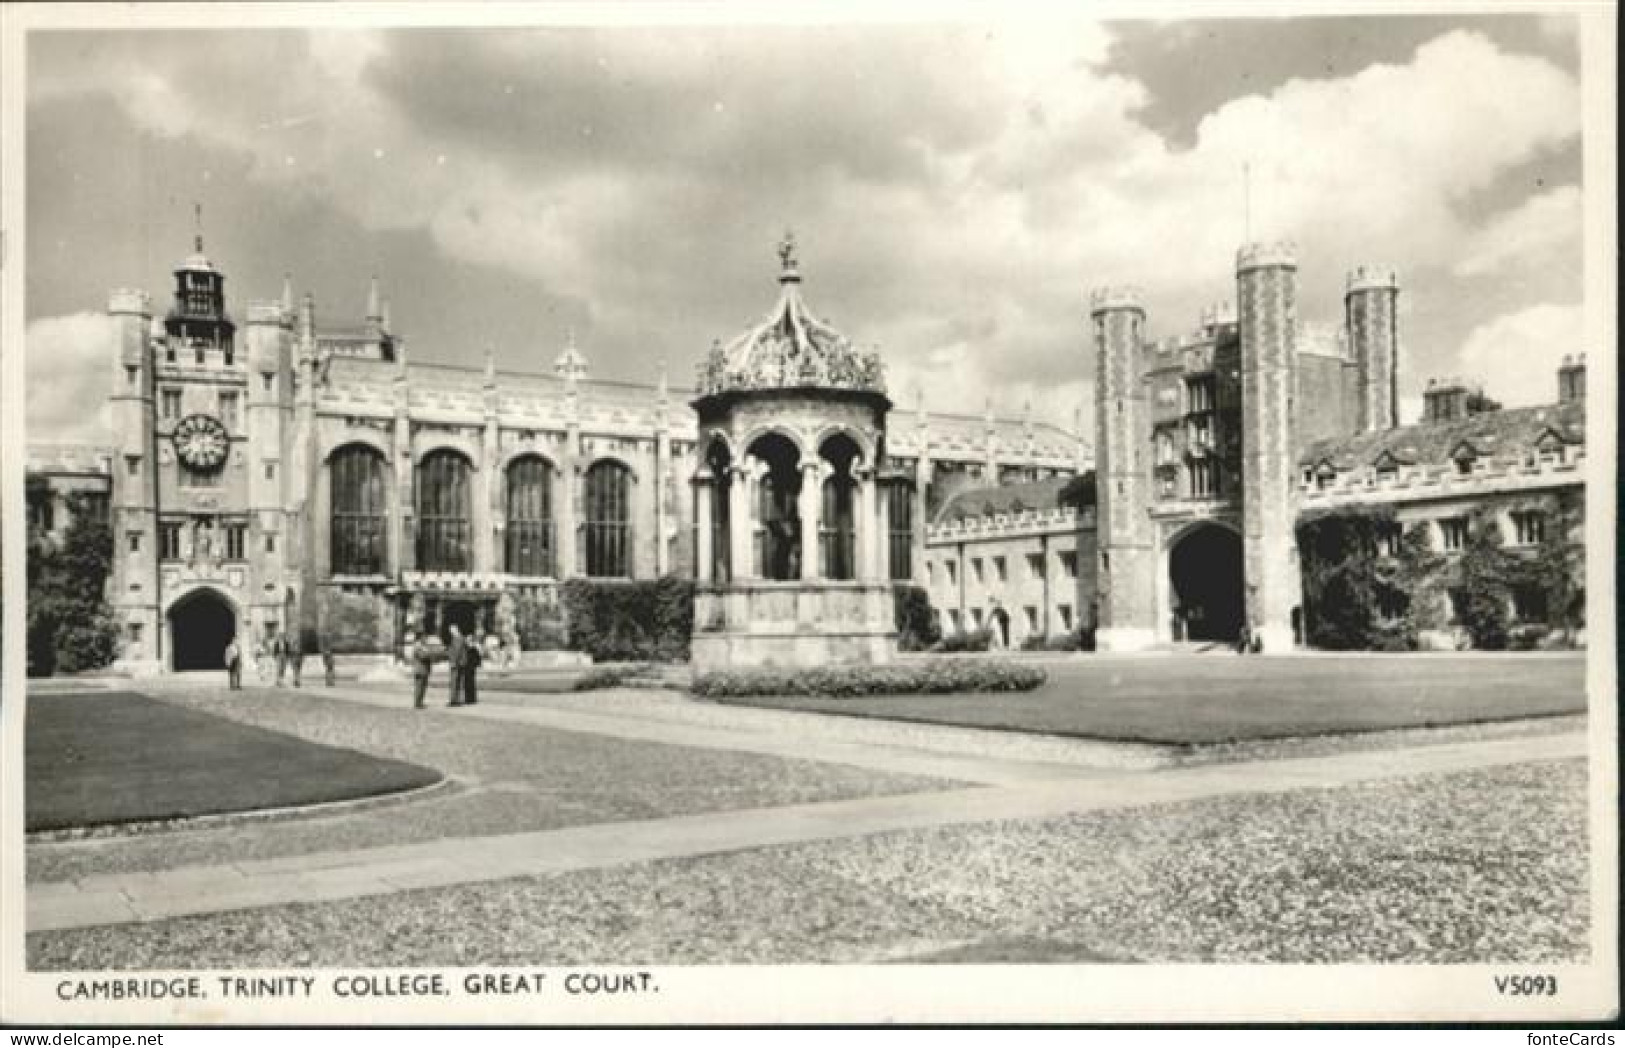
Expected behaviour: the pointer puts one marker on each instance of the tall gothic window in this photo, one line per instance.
(530, 517)
(445, 531)
(900, 495)
(360, 514)
(836, 534)
(608, 527)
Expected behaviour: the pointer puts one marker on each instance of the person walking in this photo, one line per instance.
(234, 664)
(327, 661)
(456, 660)
(296, 655)
(471, 668)
(279, 652)
(422, 667)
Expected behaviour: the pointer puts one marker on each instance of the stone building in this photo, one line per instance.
(282, 474)
(1211, 445)
(277, 474)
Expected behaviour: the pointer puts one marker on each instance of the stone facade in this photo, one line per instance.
(287, 476)
(1210, 446)
(258, 543)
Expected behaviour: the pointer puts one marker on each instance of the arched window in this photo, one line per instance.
(530, 517)
(360, 514)
(608, 527)
(836, 534)
(900, 512)
(445, 531)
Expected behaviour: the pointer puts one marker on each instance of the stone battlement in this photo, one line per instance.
(129, 300)
(266, 313)
(1372, 278)
(1123, 296)
(1262, 255)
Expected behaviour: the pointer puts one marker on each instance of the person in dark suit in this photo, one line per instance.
(456, 661)
(279, 652)
(422, 666)
(471, 667)
(327, 661)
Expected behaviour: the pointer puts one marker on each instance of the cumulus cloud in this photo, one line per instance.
(958, 189)
(1544, 229)
(1516, 355)
(68, 364)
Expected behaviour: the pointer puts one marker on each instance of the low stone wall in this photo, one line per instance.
(761, 623)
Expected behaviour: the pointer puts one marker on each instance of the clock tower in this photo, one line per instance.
(198, 514)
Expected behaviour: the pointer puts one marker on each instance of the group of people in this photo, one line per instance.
(462, 656)
(285, 651)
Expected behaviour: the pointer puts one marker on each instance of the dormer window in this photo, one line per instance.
(1325, 475)
(1465, 458)
(1387, 468)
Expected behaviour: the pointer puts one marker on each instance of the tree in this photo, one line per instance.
(70, 626)
(1482, 575)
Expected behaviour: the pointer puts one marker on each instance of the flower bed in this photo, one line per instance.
(938, 677)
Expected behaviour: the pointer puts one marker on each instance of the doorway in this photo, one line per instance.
(1205, 567)
(201, 624)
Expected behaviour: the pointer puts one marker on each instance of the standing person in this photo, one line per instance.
(456, 659)
(327, 660)
(422, 666)
(279, 652)
(234, 664)
(471, 667)
(296, 655)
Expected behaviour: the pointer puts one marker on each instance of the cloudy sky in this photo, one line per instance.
(956, 189)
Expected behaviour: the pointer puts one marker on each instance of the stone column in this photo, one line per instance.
(703, 487)
(882, 533)
(741, 526)
(812, 500)
(865, 524)
(565, 548)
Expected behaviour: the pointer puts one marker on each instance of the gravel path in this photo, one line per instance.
(514, 778)
(1488, 866)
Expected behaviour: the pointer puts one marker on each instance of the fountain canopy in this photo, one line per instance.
(790, 349)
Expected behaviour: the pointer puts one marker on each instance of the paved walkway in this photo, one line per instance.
(1012, 789)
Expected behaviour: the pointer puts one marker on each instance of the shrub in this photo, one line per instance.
(1081, 639)
(915, 620)
(975, 640)
(937, 677)
(600, 677)
(623, 621)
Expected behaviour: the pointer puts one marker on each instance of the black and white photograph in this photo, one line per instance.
(668, 515)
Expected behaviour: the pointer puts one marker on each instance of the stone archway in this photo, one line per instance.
(200, 626)
(1205, 571)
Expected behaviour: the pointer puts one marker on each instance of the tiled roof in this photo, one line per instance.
(1509, 432)
(1051, 493)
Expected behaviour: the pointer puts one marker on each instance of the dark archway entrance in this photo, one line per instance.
(201, 624)
(1205, 567)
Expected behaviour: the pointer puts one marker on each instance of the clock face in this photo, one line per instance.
(201, 441)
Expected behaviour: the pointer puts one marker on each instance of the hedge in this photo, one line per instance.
(937, 677)
(974, 640)
(600, 677)
(625, 621)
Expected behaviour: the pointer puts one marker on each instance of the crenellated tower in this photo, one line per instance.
(1371, 315)
(1267, 298)
(1126, 590)
(134, 586)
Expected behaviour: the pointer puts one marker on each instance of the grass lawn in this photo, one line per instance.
(1204, 699)
(117, 757)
